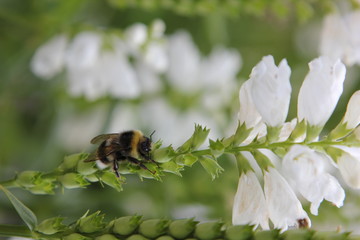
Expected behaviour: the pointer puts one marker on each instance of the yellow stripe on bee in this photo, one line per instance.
(134, 143)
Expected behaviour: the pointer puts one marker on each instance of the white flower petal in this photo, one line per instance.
(48, 59)
(249, 202)
(349, 165)
(271, 90)
(321, 90)
(284, 208)
(84, 50)
(248, 113)
(352, 115)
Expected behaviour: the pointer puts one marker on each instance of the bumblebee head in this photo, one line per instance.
(145, 146)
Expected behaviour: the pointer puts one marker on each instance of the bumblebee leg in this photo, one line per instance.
(115, 168)
(137, 162)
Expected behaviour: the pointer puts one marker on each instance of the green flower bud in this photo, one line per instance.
(27, 178)
(216, 147)
(51, 226)
(126, 225)
(172, 167)
(330, 236)
(110, 179)
(339, 131)
(45, 186)
(153, 228)
(182, 228)
(106, 237)
(73, 180)
(208, 230)
(137, 237)
(86, 168)
(186, 159)
(71, 161)
(239, 232)
(312, 132)
(299, 130)
(75, 236)
(297, 234)
(263, 161)
(242, 132)
(211, 166)
(266, 235)
(195, 141)
(92, 177)
(165, 238)
(163, 155)
(91, 223)
(273, 133)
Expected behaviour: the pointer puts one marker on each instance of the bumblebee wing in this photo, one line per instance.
(103, 137)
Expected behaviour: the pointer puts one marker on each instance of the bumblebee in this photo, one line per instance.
(131, 146)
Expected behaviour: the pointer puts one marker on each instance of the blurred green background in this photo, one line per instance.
(31, 109)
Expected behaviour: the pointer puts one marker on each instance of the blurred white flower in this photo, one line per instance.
(249, 202)
(184, 62)
(48, 59)
(321, 90)
(340, 37)
(284, 208)
(135, 36)
(155, 56)
(352, 114)
(305, 169)
(271, 90)
(157, 29)
(349, 165)
(84, 50)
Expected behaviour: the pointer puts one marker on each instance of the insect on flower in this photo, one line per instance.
(131, 146)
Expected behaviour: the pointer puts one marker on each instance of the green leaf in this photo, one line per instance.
(24, 212)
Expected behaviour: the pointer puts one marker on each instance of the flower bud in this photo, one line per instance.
(208, 230)
(71, 161)
(153, 228)
(91, 223)
(51, 226)
(75, 236)
(111, 180)
(239, 232)
(106, 237)
(163, 155)
(27, 178)
(172, 167)
(86, 168)
(297, 234)
(211, 166)
(216, 147)
(196, 140)
(266, 235)
(73, 180)
(137, 237)
(43, 186)
(182, 228)
(165, 238)
(126, 225)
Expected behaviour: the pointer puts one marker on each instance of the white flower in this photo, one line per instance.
(248, 113)
(320, 90)
(135, 36)
(220, 67)
(155, 56)
(249, 202)
(349, 165)
(48, 59)
(271, 90)
(284, 208)
(352, 114)
(184, 62)
(84, 50)
(305, 170)
(340, 37)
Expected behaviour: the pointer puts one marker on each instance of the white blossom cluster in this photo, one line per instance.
(304, 167)
(127, 64)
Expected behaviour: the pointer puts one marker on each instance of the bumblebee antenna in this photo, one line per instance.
(151, 135)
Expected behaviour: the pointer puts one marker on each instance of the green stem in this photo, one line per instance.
(15, 231)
